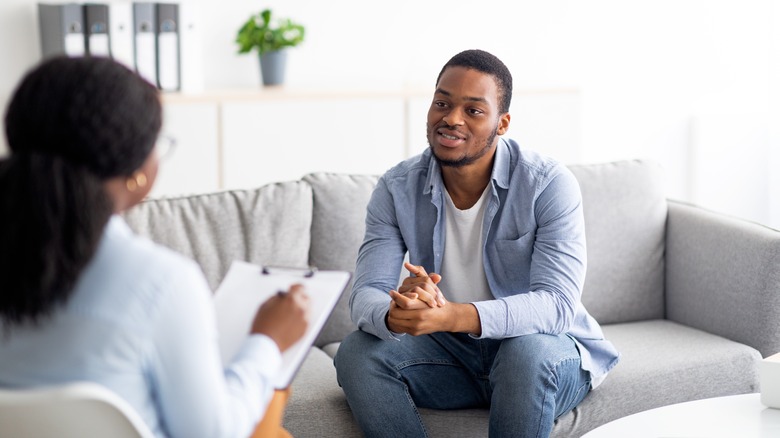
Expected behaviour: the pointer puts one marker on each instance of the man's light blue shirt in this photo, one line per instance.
(534, 249)
(141, 322)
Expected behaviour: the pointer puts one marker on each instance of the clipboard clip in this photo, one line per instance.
(305, 273)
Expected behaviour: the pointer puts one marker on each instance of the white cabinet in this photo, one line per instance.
(279, 140)
(193, 165)
(247, 138)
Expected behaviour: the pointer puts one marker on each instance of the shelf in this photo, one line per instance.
(310, 93)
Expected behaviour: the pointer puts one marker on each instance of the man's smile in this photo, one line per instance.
(450, 138)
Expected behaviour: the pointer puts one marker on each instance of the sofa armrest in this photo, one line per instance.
(723, 276)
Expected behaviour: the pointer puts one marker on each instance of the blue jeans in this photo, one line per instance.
(527, 381)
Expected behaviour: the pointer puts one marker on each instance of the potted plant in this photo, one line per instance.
(270, 37)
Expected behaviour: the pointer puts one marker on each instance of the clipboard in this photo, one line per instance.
(246, 286)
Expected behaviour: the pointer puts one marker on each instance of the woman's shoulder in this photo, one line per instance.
(122, 243)
(133, 273)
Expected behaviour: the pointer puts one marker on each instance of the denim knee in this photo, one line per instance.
(359, 355)
(533, 356)
(351, 353)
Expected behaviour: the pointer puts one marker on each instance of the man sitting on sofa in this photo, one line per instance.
(502, 325)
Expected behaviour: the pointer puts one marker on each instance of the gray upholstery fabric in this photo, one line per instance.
(269, 225)
(723, 277)
(331, 349)
(663, 363)
(317, 406)
(338, 226)
(625, 220)
(470, 423)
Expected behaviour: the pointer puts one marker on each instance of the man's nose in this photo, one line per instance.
(453, 118)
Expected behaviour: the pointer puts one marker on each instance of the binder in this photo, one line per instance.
(246, 286)
(145, 51)
(61, 29)
(168, 78)
(96, 27)
(190, 48)
(120, 24)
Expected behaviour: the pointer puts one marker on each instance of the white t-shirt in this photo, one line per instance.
(462, 268)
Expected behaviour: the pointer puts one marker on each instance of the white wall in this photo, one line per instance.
(651, 74)
(19, 46)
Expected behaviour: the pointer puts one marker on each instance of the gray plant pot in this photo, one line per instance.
(272, 65)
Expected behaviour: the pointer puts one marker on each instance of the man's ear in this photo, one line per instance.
(503, 124)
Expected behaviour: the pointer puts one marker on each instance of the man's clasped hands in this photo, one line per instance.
(418, 307)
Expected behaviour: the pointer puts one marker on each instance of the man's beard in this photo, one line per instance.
(466, 159)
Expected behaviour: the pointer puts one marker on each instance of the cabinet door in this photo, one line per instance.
(281, 140)
(192, 166)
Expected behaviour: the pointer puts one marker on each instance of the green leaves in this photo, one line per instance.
(265, 35)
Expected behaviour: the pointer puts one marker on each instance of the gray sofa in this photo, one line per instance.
(691, 298)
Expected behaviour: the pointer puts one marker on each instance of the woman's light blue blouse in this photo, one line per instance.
(141, 322)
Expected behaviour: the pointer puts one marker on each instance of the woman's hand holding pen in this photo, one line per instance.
(284, 317)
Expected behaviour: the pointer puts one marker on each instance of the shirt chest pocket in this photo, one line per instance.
(512, 261)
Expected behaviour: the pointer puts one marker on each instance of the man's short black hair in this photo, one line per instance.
(485, 62)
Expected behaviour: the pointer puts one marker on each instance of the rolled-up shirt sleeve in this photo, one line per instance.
(378, 266)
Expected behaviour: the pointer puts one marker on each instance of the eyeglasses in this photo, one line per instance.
(164, 147)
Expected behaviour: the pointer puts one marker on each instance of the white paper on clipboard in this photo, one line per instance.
(246, 287)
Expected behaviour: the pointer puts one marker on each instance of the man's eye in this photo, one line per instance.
(474, 111)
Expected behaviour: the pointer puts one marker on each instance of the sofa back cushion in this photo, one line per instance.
(337, 230)
(625, 225)
(268, 226)
(320, 221)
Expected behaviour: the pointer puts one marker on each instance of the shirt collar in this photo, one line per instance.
(434, 181)
(117, 226)
(502, 164)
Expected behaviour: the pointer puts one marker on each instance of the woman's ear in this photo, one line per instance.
(127, 191)
(143, 179)
(136, 181)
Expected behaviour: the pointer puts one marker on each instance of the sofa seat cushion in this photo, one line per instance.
(662, 363)
(317, 406)
(268, 225)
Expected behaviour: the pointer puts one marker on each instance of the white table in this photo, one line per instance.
(737, 416)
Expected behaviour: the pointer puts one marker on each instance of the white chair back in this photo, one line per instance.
(80, 409)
